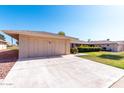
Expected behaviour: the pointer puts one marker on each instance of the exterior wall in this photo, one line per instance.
(120, 47)
(30, 46)
(110, 47)
(3, 46)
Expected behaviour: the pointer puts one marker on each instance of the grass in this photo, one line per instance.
(115, 59)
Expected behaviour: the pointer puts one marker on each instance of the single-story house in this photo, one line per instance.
(3, 44)
(115, 46)
(45, 44)
(40, 44)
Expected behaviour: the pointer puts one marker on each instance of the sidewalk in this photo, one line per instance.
(119, 83)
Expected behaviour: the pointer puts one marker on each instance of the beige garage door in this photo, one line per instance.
(42, 47)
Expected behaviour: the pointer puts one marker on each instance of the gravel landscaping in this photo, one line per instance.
(7, 61)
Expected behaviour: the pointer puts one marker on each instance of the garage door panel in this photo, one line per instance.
(34, 47)
(30, 48)
(44, 44)
(60, 47)
(40, 47)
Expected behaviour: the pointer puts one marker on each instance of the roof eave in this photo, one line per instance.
(15, 34)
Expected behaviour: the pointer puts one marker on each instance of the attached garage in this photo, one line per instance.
(40, 44)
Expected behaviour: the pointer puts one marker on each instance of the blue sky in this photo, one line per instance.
(83, 22)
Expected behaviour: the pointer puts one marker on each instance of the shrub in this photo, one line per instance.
(89, 49)
(74, 50)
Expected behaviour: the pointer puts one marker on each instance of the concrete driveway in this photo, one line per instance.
(62, 72)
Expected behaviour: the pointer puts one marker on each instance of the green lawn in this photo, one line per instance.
(110, 58)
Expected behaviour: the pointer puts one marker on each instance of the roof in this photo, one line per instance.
(79, 42)
(120, 42)
(102, 42)
(97, 42)
(15, 34)
(106, 42)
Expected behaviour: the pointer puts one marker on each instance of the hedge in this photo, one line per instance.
(89, 49)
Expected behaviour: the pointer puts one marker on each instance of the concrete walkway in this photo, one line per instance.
(61, 72)
(119, 83)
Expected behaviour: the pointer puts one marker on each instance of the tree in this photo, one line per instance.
(89, 40)
(61, 33)
(2, 37)
(108, 39)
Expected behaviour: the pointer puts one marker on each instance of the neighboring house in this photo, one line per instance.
(115, 46)
(40, 44)
(3, 44)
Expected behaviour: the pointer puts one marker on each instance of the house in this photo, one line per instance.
(3, 44)
(115, 46)
(45, 44)
(40, 44)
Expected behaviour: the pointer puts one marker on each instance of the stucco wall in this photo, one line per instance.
(30, 46)
(2, 46)
(120, 47)
(111, 47)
